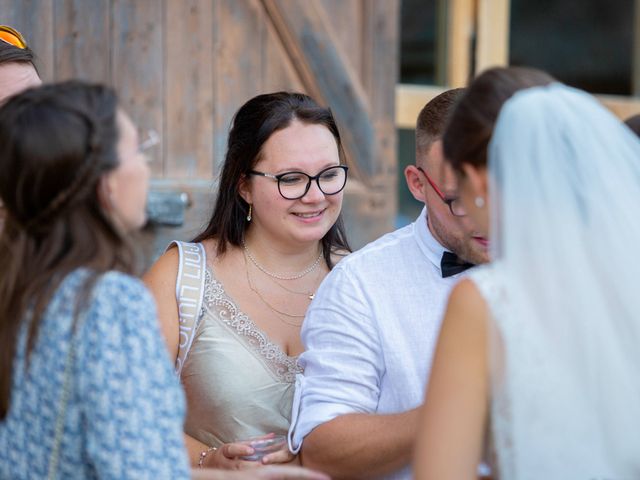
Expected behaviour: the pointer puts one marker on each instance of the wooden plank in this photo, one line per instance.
(347, 24)
(238, 63)
(492, 47)
(137, 59)
(411, 98)
(189, 89)
(278, 71)
(622, 107)
(382, 33)
(380, 53)
(459, 34)
(81, 40)
(370, 206)
(34, 19)
(326, 74)
(409, 101)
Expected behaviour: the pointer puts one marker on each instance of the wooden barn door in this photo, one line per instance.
(183, 67)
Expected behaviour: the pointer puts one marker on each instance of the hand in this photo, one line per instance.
(228, 457)
(271, 449)
(281, 455)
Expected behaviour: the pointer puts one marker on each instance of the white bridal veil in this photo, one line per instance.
(565, 185)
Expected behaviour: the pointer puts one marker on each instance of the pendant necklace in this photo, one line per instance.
(278, 312)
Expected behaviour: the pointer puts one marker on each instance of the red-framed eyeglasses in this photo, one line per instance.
(454, 204)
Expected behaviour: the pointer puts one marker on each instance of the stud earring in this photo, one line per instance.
(249, 214)
(479, 201)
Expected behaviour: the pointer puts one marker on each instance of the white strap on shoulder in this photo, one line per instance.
(189, 295)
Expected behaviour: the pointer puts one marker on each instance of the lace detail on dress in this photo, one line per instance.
(221, 306)
(500, 439)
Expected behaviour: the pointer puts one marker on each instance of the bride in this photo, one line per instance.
(536, 369)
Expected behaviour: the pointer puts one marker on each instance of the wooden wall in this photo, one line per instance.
(183, 67)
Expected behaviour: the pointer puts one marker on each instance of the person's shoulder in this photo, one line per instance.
(165, 267)
(164, 271)
(103, 284)
(118, 306)
(381, 247)
(121, 288)
(485, 278)
(467, 299)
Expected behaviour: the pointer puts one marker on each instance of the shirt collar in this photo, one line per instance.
(429, 246)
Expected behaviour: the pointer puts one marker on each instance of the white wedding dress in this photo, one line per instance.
(563, 290)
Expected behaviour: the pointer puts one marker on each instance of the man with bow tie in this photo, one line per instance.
(372, 327)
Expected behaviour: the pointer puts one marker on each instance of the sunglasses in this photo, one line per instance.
(12, 37)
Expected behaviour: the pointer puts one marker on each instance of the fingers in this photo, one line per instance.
(281, 456)
(233, 450)
(280, 472)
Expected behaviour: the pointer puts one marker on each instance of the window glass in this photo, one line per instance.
(418, 42)
(586, 44)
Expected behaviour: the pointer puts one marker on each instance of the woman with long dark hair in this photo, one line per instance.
(86, 387)
(274, 234)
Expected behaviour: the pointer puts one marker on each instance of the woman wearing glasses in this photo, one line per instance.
(274, 234)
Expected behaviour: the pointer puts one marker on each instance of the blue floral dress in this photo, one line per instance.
(125, 411)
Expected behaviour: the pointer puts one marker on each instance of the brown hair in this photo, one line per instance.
(10, 54)
(433, 118)
(253, 124)
(472, 122)
(56, 143)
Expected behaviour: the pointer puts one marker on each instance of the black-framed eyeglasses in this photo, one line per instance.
(294, 185)
(454, 204)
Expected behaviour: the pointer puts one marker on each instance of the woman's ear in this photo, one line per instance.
(477, 178)
(244, 188)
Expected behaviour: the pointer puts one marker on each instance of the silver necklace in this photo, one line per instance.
(278, 313)
(309, 295)
(296, 276)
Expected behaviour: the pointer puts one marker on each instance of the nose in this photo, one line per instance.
(314, 194)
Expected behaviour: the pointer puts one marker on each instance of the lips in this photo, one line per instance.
(481, 240)
(305, 215)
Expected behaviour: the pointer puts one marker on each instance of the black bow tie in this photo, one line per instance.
(451, 264)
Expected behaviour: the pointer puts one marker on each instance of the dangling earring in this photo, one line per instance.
(249, 214)
(479, 201)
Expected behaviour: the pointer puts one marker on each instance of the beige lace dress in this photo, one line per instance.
(238, 383)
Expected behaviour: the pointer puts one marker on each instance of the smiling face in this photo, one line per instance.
(300, 147)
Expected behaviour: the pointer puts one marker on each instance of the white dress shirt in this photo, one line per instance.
(371, 331)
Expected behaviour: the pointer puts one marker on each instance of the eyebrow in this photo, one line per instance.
(296, 169)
